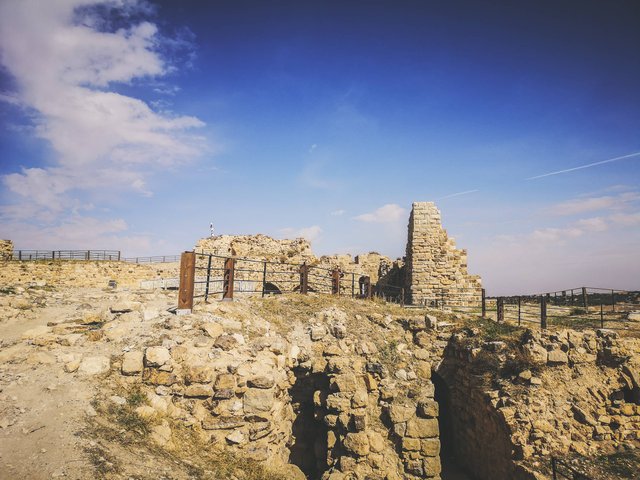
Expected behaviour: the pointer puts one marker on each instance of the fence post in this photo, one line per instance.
(335, 281)
(519, 310)
(369, 289)
(601, 316)
(484, 304)
(585, 302)
(613, 301)
(187, 277)
(86, 255)
(19, 254)
(304, 278)
(543, 312)
(554, 468)
(206, 289)
(227, 279)
(500, 309)
(119, 254)
(402, 296)
(264, 277)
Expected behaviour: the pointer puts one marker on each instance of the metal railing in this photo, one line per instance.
(204, 275)
(153, 259)
(578, 307)
(32, 255)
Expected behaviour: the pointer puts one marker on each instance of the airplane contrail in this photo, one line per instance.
(458, 194)
(585, 166)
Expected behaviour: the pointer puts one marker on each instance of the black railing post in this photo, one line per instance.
(519, 310)
(601, 316)
(402, 296)
(500, 309)
(613, 301)
(227, 286)
(353, 285)
(264, 277)
(543, 313)
(585, 302)
(554, 468)
(484, 304)
(206, 288)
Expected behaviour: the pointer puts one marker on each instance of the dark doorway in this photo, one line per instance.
(309, 448)
(451, 467)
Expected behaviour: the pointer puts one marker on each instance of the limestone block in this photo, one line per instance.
(257, 401)
(357, 443)
(157, 356)
(94, 365)
(132, 363)
(422, 428)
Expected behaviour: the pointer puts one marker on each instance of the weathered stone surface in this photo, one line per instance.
(132, 363)
(401, 413)
(225, 342)
(213, 329)
(94, 365)
(422, 428)
(198, 390)
(261, 382)
(258, 401)
(357, 443)
(157, 356)
(557, 357)
(158, 377)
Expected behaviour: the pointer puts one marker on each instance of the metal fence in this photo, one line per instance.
(578, 307)
(154, 259)
(32, 255)
(206, 275)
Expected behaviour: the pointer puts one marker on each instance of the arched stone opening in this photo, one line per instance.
(271, 289)
(309, 443)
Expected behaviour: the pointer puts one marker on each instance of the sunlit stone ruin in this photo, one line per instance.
(298, 379)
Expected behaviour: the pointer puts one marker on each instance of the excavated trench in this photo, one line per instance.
(309, 448)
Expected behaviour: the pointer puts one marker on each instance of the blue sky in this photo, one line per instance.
(132, 125)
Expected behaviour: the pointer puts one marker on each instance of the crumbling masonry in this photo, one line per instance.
(436, 271)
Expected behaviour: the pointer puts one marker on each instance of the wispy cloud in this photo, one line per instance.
(390, 212)
(338, 213)
(310, 233)
(589, 165)
(591, 204)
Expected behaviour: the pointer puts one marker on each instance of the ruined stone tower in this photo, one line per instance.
(436, 271)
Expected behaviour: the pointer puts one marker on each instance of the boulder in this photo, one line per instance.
(132, 363)
(157, 356)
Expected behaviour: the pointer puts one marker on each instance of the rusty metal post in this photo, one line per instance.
(206, 288)
(484, 304)
(304, 278)
(369, 288)
(402, 296)
(543, 312)
(335, 281)
(264, 277)
(519, 310)
(500, 308)
(187, 277)
(227, 285)
(585, 302)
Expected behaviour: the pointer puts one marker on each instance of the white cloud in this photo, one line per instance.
(582, 205)
(555, 234)
(65, 59)
(338, 213)
(309, 233)
(626, 219)
(390, 212)
(596, 224)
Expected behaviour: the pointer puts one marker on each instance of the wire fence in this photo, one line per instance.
(583, 307)
(153, 259)
(33, 255)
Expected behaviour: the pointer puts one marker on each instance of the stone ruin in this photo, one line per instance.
(6, 249)
(435, 270)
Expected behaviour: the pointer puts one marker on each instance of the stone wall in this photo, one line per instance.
(435, 269)
(6, 249)
(89, 274)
